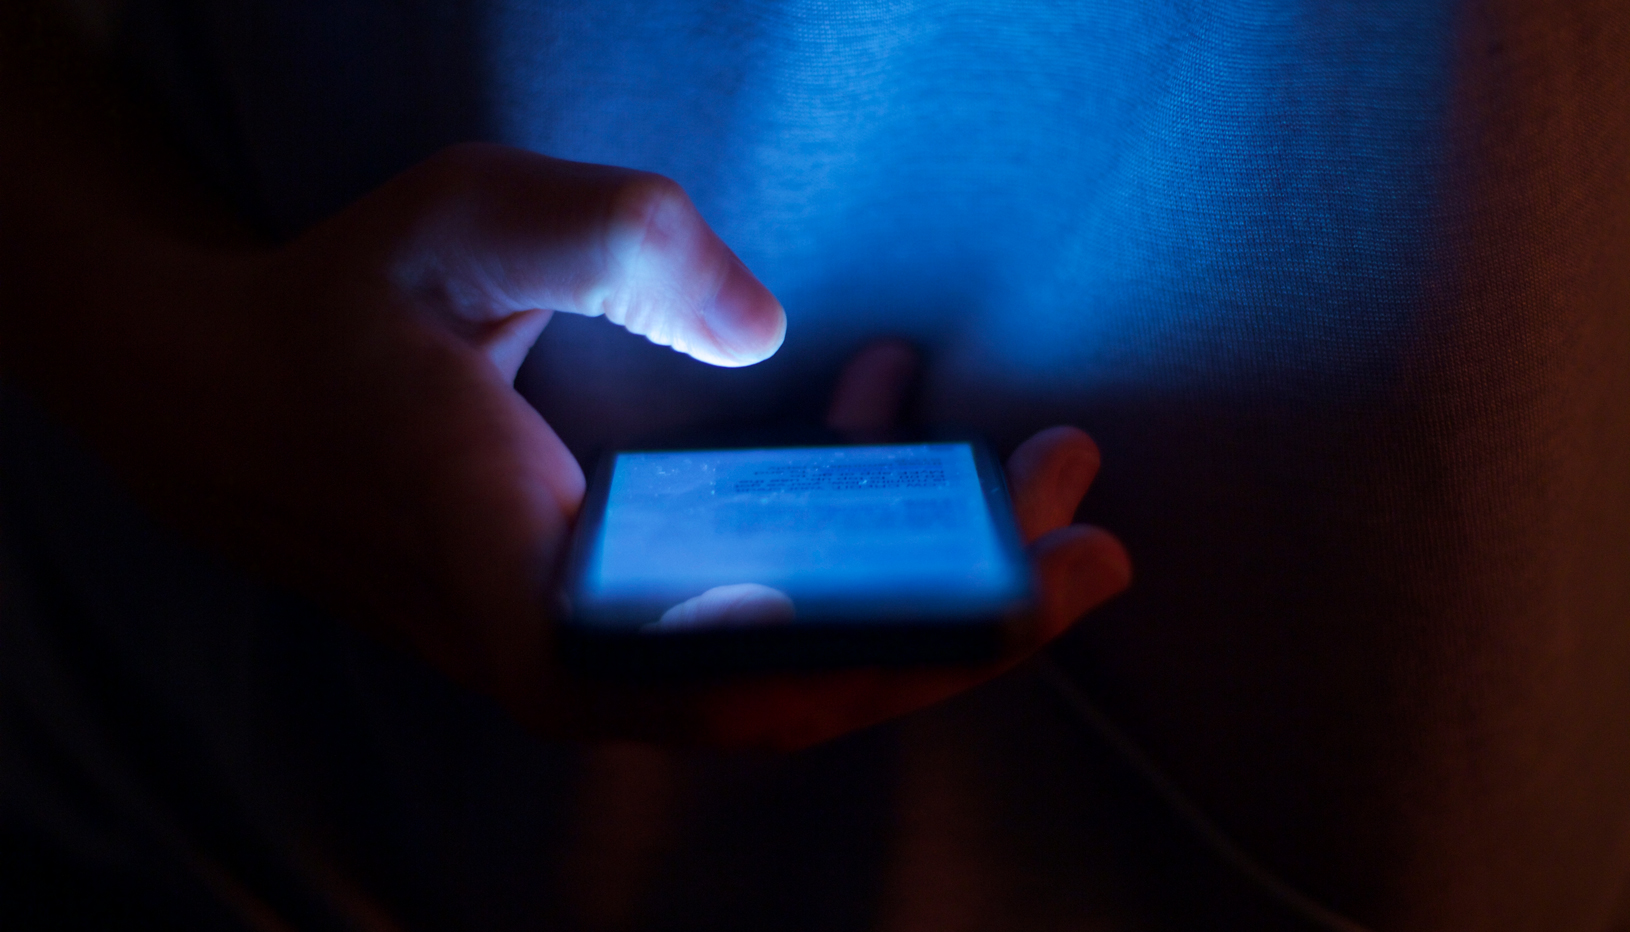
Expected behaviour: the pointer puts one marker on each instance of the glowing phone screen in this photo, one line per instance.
(853, 531)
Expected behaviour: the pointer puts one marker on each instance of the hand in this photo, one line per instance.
(1078, 567)
(338, 414)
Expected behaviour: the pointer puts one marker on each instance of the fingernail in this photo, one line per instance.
(747, 324)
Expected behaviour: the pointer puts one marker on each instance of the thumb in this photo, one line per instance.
(871, 393)
(480, 233)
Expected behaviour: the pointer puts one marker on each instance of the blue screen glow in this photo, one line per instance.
(768, 534)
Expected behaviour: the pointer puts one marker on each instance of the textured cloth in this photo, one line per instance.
(1341, 289)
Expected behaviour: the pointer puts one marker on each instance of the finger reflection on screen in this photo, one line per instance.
(738, 604)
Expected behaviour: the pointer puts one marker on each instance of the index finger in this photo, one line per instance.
(1049, 474)
(492, 231)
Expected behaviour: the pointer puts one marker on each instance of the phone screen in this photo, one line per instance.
(838, 533)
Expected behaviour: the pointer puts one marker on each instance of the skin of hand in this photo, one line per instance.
(1078, 567)
(337, 413)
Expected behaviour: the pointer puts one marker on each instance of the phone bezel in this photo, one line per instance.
(937, 638)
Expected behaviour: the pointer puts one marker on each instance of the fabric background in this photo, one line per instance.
(1343, 291)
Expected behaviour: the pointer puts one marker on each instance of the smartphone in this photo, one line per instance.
(737, 560)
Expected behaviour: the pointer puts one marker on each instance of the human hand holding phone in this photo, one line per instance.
(1077, 567)
(337, 413)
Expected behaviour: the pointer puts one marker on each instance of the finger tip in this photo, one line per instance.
(1081, 567)
(872, 389)
(1069, 439)
(896, 356)
(1074, 447)
(1093, 550)
(1110, 554)
(1050, 450)
(744, 321)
